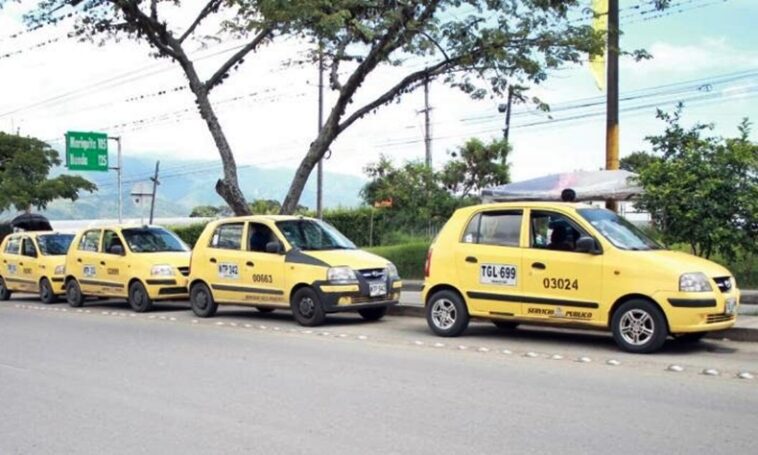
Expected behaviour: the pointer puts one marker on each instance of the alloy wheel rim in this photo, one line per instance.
(444, 314)
(637, 327)
(307, 307)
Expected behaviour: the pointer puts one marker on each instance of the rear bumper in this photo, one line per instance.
(689, 312)
(58, 285)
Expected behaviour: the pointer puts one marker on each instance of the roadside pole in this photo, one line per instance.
(320, 167)
(118, 176)
(155, 189)
(612, 113)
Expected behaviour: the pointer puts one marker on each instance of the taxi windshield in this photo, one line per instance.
(152, 240)
(314, 235)
(54, 244)
(620, 232)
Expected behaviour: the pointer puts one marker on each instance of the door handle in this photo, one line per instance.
(79, 260)
(20, 263)
(102, 262)
(213, 260)
(538, 266)
(472, 259)
(250, 264)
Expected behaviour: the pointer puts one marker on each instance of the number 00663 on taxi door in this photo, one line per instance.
(497, 274)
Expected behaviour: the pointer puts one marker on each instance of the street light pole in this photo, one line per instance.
(320, 167)
(118, 175)
(612, 108)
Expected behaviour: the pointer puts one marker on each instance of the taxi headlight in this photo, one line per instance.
(392, 271)
(341, 275)
(162, 270)
(60, 270)
(694, 282)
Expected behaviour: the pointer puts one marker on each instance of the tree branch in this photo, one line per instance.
(209, 7)
(234, 59)
(154, 31)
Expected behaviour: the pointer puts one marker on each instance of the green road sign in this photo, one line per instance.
(86, 151)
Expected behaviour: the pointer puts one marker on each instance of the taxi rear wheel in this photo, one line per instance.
(74, 295)
(139, 300)
(373, 314)
(307, 308)
(46, 293)
(201, 301)
(639, 326)
(5, 294)
(446, 314)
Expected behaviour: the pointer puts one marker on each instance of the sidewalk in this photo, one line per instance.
(746, 328)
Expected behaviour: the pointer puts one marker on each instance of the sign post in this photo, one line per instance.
(86, 151)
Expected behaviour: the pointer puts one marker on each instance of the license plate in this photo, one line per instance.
(377, 289)
(731, 306)
(504, 274)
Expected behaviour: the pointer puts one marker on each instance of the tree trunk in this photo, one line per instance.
(228, 187)
(316, 152)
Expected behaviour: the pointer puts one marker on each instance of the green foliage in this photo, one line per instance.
(703, 191)
(475, 166)
(637, 161)
(189, 233)
(205, 211)
(25, 164)
(408, 257)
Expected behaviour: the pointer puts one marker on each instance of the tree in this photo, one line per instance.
(475, 166)
(637, 161)
(481, 47)
(25, 164)
(413, 191)
(142, 20)
(703, 190)
(206, 211)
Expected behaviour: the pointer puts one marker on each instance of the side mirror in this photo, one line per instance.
(587, 245)
(274, 247)
(116, 249)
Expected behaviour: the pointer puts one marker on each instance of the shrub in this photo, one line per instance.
(189, 233)
(409, 258)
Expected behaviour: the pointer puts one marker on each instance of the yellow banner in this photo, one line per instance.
(599, 23)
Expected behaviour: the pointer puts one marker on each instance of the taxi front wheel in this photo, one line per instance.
(74, 294)
(446, 314)
(139, 300)
(639, 326)
(307, 308)
(46, 293)
(5, 294)
(201, 301)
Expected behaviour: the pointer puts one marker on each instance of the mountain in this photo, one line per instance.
(186, 184)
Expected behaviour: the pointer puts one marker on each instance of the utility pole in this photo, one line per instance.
(155, 189)
(507, 129)
(320, 167)
(118, 170)
(612, 112)
(427, 124)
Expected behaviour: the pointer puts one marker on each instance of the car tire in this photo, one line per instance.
(202, 302)
(139, 299)
(5, 294)
(446, 314)
(693, 337)
(505, 325)
(639, 327)
(74, 295)
(46, 293)
(307, 308)
(263, 309)
(373, 314)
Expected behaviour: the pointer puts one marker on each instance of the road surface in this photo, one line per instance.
(105, 380)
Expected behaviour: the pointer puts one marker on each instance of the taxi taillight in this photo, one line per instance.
(428, 263)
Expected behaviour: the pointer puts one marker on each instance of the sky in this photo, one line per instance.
(703, 50)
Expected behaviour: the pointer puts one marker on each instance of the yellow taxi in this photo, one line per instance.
(140, 263)
(34, 262)
(299, 263)
(571, 264)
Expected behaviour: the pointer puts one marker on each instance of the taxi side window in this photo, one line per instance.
(227, 236)
(28, 248)
(111, 241)
(259, 235)
(553, 231)
(89, 241)
(13, 246)
(501, 228)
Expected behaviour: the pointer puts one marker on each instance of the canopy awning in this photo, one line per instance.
(588, 186)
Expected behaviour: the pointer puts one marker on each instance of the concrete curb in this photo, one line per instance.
(735, 333)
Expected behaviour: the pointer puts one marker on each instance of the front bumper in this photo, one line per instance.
(351, 297)
(167, 288)
(699, 311)
(58, 285)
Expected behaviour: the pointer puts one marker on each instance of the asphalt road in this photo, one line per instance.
(104, 380)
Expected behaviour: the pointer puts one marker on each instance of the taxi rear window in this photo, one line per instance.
(501, 228)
